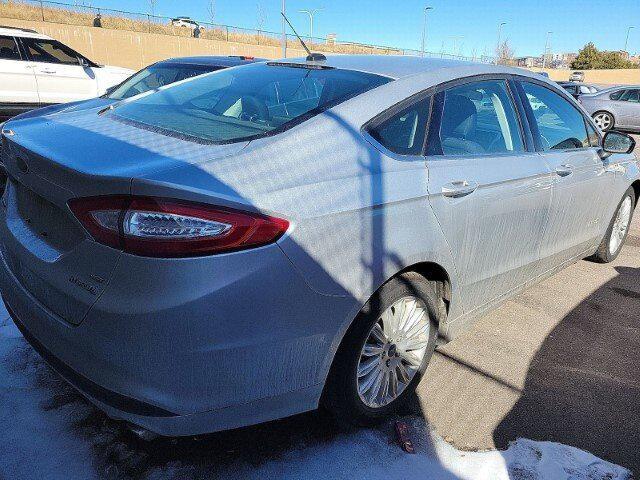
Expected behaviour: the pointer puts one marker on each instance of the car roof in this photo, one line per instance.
(21, 32)
(212, 60)
(399, 66)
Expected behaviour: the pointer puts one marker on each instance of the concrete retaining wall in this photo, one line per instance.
(137, 49)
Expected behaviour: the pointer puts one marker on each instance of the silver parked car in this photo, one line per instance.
(256, 242)
(617, 107)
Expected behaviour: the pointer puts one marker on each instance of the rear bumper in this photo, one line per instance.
(182, 368)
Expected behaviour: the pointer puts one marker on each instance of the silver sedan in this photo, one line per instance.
(256, 242)
(617, 107)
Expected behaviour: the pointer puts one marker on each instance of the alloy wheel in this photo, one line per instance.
(620, 225)
(393, 352)
(603, 121)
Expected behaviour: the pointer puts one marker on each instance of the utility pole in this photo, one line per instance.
(626, 41)
(284, 30)
(311, 13)
(546, 50)
(424, 28)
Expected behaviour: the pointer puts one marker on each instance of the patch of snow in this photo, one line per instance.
(47, 431)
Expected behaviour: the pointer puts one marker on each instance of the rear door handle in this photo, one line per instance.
(47, 70)
(460, 188)
(564, 170)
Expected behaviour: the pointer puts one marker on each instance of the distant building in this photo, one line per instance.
(528, 62)
(550, 60)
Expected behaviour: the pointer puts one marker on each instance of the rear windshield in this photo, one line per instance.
(156, 76)
(245, 102)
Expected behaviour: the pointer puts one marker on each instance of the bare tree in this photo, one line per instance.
(211, 10)
(504, 53)
(261, 16)
(152, 7)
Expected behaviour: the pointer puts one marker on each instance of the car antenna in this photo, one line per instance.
(311, 57)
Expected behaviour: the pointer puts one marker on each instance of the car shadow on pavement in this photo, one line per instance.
(584, 375)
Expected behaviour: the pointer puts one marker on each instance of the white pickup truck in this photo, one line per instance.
(36, 70)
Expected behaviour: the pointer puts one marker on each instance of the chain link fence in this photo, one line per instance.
(89, 15)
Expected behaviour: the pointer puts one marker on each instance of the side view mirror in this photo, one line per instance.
(83, 62)
(618, 142)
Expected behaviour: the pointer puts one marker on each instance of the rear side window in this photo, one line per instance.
(478, 118)
(404, 131)
(9, 49)
(560, 125)
(617, 95)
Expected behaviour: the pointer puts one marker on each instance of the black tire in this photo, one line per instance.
(341, 396)
(603, 254)
(608, 114)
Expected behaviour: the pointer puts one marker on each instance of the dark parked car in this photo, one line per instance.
(578, 88)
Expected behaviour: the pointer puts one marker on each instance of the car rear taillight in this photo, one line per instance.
(157, 227)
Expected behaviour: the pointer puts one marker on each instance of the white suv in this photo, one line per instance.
(36, 70)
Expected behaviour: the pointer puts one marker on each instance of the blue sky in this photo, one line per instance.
(461, 25)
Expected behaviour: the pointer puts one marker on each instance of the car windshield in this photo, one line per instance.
(156, 76)
(246, 102)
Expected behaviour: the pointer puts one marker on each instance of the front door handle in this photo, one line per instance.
(460, 188)
(48, 71)
(564, 170)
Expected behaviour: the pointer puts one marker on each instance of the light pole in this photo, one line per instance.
(311, 13)
(626, 41)
(284, 30)
(500, 33)
(424, 28)
(546, 50)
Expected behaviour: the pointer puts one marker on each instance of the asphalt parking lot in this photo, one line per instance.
(558, 362)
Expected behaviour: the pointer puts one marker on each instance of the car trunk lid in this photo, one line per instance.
(53, 159)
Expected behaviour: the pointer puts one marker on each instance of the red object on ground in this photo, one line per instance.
(403, 434)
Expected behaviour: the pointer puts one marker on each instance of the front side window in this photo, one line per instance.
(479, 118)
(50, 51)
(404, 131)
(594, 139)
(560, 125)
(156, 76)
(9, 49)
(631, 96)
(247, 102)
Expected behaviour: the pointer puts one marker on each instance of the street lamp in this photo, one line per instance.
(424, 28)
(500, 32)
(311, 13)
(626, 41)
(546, 49)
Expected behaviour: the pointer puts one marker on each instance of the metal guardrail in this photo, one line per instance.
(86, 15)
